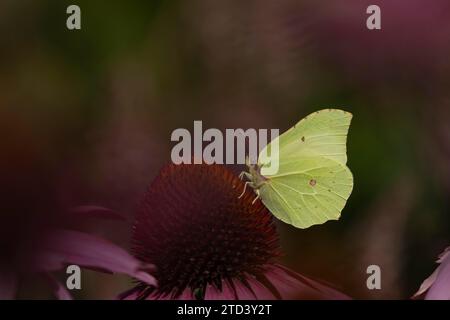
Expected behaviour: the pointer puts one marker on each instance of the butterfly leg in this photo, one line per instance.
(257, 197)
(245, 174)
(245, 188)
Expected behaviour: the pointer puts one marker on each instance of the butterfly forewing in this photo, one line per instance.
(322, 133)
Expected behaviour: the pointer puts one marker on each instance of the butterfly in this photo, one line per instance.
(312, 183)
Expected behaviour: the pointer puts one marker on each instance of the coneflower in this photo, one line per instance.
(206, 242)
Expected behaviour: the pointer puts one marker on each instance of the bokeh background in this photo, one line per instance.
(86, 117)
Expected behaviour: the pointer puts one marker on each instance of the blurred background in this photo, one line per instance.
(86, 117)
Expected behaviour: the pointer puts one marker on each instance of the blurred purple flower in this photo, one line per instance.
(412, 44)
(437, 285)
(34, 235)
(56, 248)
(207, 243)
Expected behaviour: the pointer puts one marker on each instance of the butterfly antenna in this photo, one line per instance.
(241, 175)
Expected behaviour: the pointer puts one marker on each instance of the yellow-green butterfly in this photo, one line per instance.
(313, 182)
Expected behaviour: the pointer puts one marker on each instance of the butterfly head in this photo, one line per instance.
(257, 180)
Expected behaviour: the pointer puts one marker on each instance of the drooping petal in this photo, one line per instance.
(437, 285)
(65, 247)
(292, 285)
(8, 284)
(278, 283)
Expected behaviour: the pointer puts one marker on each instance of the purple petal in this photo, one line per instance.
(278, 283)
(96, 212)
(426, 284)
(65, 247)
(291, 285)
(438, 284)
(234, 291)
(59, 290)
(8, 284)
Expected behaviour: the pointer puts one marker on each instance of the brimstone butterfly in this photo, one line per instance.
(313, 182)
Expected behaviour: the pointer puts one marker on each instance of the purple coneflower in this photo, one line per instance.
(207, 243)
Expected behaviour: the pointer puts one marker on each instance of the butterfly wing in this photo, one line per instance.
(322, 133)
(308, 190)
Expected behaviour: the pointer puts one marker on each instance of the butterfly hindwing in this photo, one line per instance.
(308, 191)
